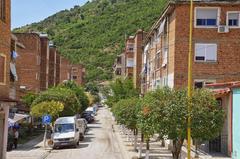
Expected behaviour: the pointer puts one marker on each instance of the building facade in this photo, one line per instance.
(5, 57)
(44, 66)
(28, 62)
(52, 66)
(215, 45)
(215, 51)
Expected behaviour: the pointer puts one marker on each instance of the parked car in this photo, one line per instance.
(88, 116)
(91, 110)
(66, 133)
(82, 126)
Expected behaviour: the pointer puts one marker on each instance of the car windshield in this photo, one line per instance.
(62, 128)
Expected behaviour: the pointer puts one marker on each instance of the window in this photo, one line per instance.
(2, 69)
(3, 10)
(201, 83)
(118, 71)
(206, 17)
(130, 47)
(206, 52)
(157, 62)
(130, 62)
(165, 57)
(74, 77)
(74, 69)
(38, 60)
(233, 19)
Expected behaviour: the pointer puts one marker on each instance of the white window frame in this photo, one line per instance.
(205, 60)
(232, 12)
(4, 70)
(204, 81)
(195, 17)
(127, 63)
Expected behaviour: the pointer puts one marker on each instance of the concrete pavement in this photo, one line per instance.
(99, 143)
(31, 150)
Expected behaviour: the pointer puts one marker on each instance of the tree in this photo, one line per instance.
(72, 106)
(165, 111)
(125, 113)
(92, 88)
(121, 89)
(29, 98)
(79, 91)
(52, 108)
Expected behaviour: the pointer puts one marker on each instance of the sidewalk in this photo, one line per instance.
(156, 151)
(31, 150)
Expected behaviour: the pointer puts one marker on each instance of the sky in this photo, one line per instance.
(29, 11)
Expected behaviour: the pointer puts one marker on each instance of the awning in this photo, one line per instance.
(221, 91)
(17, 118)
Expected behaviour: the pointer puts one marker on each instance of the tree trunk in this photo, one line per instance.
(163, 142)
(177, 147)
(196, 149)
(135, 139)
(141, 145)
(147, 149)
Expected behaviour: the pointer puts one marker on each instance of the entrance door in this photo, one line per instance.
(215, 145)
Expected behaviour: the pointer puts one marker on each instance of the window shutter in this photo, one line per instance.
(203, 13)
(200, 52)
(211, 52)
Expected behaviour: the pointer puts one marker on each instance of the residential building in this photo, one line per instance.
(137, 56)
(129, 63)
(129, 56)
(28, 62)
(65, 70)
(6, 99)
(77, 73)
(119, 65)
(215, 47)
(58, 65)
(44, 66)
(52, 66)
(228, 95)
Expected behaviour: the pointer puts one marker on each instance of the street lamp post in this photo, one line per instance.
(190, 86)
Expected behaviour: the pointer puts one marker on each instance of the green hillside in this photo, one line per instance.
(94, 33)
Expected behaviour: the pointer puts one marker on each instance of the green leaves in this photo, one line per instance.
(52, 108)
(95, 33)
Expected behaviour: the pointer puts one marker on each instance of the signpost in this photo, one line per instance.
(46, 120)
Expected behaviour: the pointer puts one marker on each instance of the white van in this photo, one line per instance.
(66, 132)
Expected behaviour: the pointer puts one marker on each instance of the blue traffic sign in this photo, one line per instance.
(46, 119)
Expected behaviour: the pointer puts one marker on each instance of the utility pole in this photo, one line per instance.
(190, 86)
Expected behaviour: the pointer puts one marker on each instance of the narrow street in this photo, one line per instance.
(99, 143)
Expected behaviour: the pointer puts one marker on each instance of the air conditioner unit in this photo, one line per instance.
(223, 29)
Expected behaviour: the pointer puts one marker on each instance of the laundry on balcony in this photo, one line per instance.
(13, 71)
(14, 54)
(17, 118)
(161, 28)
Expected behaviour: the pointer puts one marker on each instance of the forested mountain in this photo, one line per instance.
(93, 34)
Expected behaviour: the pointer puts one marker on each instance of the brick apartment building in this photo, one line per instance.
(129, 63)
(119, 65)
(28, 62)
(58, 65)
(44, 66)
(137, 56)
(216, 46)
(52, 66)
(69, 71)
(6, 98)
(77, 73)
(129, 56)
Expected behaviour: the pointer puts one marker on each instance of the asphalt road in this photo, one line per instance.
(100, 142)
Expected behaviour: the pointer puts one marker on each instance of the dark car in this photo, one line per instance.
(88, 117)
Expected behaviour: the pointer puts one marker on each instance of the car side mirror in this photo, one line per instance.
(77, 129)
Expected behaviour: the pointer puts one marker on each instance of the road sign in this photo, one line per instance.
(46, 119)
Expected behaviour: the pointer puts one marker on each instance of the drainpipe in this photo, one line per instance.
(231, 119)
